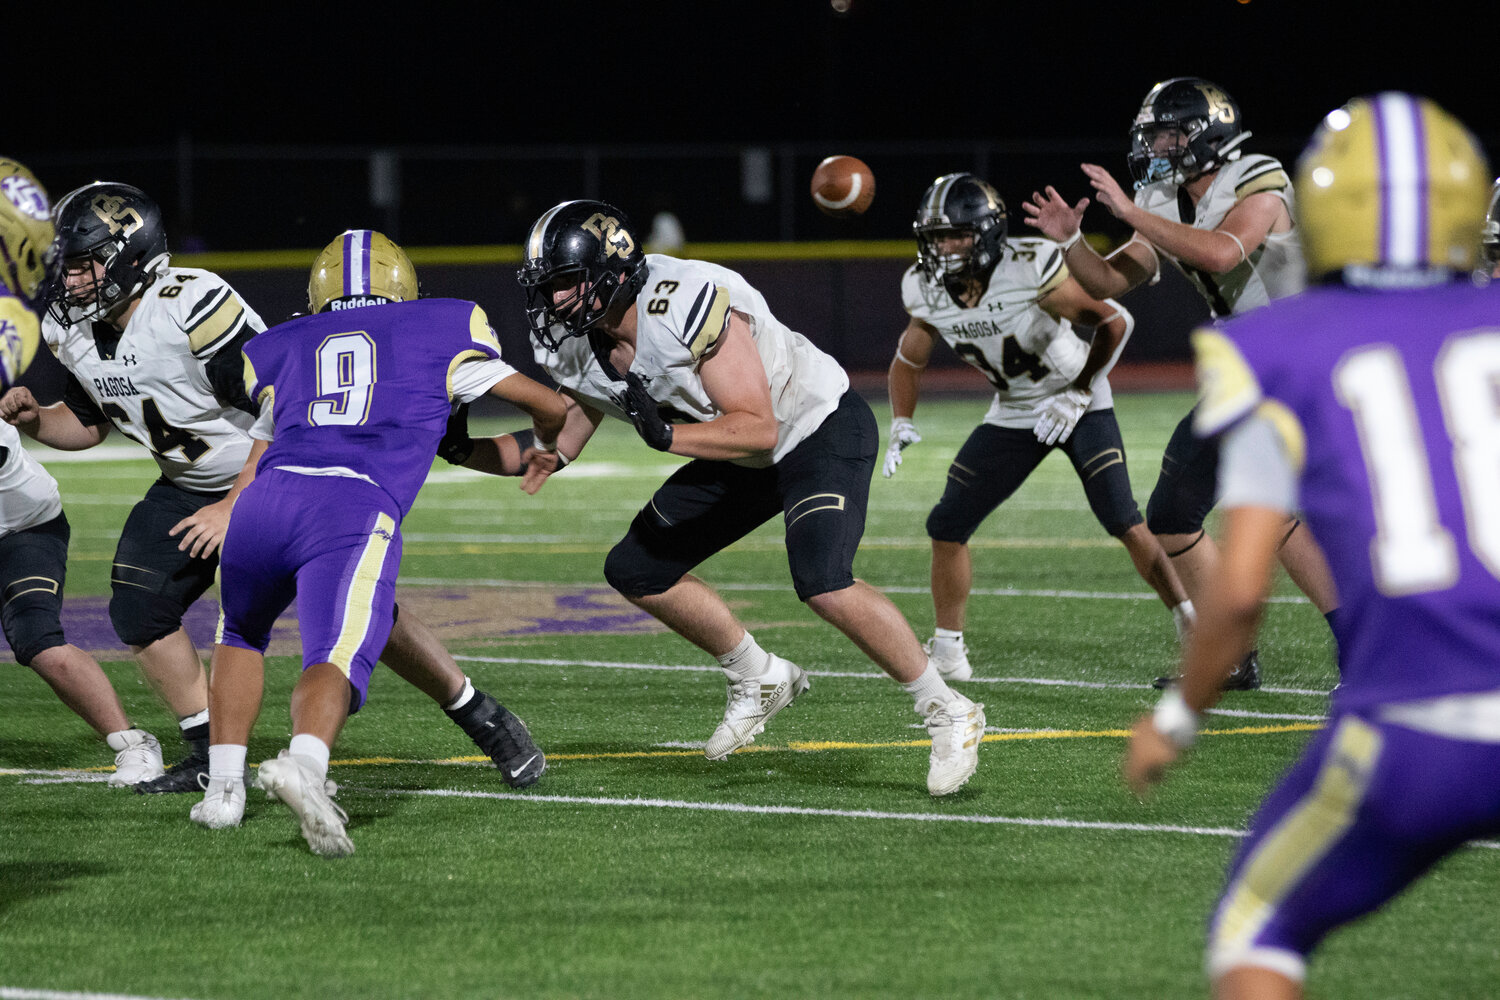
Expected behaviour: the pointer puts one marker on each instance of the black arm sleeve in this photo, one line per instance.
(226, 373)
(77, 399)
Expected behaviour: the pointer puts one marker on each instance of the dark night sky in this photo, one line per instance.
(666, 70)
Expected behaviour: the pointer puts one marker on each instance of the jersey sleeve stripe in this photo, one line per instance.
(206, 305)
(1054, 273)
(707, 319)
(215, 327)
(1271, 178)
(252, 381)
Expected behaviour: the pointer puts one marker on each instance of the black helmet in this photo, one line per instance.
(960, 202)
(1206, 119)
(119, 227)
(1489, 240)
(587, 243)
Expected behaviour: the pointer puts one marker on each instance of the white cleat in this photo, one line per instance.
(752, 703)
(293, 780)
(223, 803)
(950, 658)
(956, 728)
(137, 757)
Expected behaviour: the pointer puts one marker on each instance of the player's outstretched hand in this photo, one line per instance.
(903, 434)
(19, 406)
(1052, 214)
(1147, 757)
(539, 465)
(642, 411)
(203, 531)
(1059, 414)
(1108, 191)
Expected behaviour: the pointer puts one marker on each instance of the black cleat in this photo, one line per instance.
(1246, 676)
(504, 738)
(182, 776)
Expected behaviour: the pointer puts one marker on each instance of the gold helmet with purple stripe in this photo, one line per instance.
(360, 268)
(1391, 192)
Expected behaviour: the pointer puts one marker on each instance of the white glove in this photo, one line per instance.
(1057, 416)
(903, 433)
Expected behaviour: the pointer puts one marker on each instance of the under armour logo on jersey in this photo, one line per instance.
(128, 359)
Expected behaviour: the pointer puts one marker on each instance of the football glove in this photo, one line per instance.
(456, 445)
(642, 411)
(903, 433)
(1057, 416)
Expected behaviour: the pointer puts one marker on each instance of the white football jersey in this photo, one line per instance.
(681, 312)
(28, 493)
(1025, 353)
(1273, 270)
(155, 387)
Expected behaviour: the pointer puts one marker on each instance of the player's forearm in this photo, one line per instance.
(247, 471)
(497, 456)
(1223, 634)
(731, 436)
(1095, 274)
(1204, 249)
(905, 385)
(59, 427)
(1107, 339)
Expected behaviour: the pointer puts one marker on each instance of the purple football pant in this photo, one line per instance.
(331, 542)
(1368, 808)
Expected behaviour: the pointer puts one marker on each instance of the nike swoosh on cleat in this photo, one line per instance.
(517, 772)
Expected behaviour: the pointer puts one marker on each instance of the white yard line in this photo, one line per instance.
(1085, 595)
(533, 661)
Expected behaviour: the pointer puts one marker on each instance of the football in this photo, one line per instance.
(842, 186)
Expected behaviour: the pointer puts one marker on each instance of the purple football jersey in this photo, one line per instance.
(366, 388)
(1398, 393)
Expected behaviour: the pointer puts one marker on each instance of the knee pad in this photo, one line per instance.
(31, 620)
(140, 618)
(630, 569)
(1177, 509)
(948, 523)
(1106, 484)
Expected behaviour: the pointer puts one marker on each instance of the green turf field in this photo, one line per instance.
(813, 864)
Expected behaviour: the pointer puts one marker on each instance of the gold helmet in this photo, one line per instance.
(1391, 191)
(26, 255)
(360, 268)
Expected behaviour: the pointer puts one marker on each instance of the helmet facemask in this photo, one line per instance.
(93, 284)
(578, 312)
(947, 251)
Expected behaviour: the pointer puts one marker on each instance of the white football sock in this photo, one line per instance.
(226, 760)
(1184, 616)
(928, 688)
(314, 749)
(747, 659)
(462, 699)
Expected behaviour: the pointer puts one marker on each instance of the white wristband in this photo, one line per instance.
(1068, 243)
(1174, 720)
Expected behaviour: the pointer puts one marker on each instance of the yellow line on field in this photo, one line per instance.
(815, 746)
